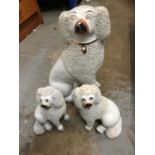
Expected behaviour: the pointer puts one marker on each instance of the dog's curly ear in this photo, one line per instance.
(103, 27)
(59, 100)
(97, 94)
(63, 25)
(76, 97)
(76, 94)
(39, 93)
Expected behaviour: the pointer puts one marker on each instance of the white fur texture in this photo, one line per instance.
(93, 106)
(73, 65)
(50, 109)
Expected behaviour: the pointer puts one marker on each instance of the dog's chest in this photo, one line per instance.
(54, 113)
(78, 63)
(92, 113)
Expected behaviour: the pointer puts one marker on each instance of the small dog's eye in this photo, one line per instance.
(83, 99)
(46, 100)
(90, 98)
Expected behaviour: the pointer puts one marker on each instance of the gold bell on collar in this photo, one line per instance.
(84, 49)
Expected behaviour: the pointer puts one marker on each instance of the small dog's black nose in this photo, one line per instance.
(81, 28)
(88, 105)
(45, 107)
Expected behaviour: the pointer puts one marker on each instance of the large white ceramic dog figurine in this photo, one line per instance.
(84, 28)
(50, 109)
(93, 106)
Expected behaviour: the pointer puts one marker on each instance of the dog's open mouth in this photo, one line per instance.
(81, 27)
(87, 106)
(45, 107)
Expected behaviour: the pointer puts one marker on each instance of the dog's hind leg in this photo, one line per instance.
(115, 131)
(98, 84)
(48, 126)
(70, 97)
(61, 79)
(38, 128)
(65, 88)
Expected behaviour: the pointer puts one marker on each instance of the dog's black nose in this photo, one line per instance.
(88, 105)
(45, 107)
(81, 28)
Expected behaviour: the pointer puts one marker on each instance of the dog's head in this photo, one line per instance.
(85, 23)
(49, 97)
(87, 96)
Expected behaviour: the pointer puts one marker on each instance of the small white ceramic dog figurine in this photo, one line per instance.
(50, 109)
(93, 106)
(84, 28)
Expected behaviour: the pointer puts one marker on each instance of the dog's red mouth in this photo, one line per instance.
(81, 27)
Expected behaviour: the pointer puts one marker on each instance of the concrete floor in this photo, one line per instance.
(40, 50)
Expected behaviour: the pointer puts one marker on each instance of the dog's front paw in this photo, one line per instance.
(67, 117)
(69, 98)
(48, 127)
(60, 127)
(38, 128)
(100, 129)
(98, 84)
(88, 128)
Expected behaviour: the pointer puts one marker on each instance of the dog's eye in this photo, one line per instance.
(83, 99)
(91, 98)
(73, 17)
(46, 100)
(89, 16)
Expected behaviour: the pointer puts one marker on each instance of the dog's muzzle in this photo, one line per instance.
(81, 27)
(87, 106)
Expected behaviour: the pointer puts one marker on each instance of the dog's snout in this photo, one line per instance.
(81, 27)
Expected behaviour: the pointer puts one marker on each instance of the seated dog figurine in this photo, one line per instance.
(84, 28)
(50, 109)
(93, 106)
